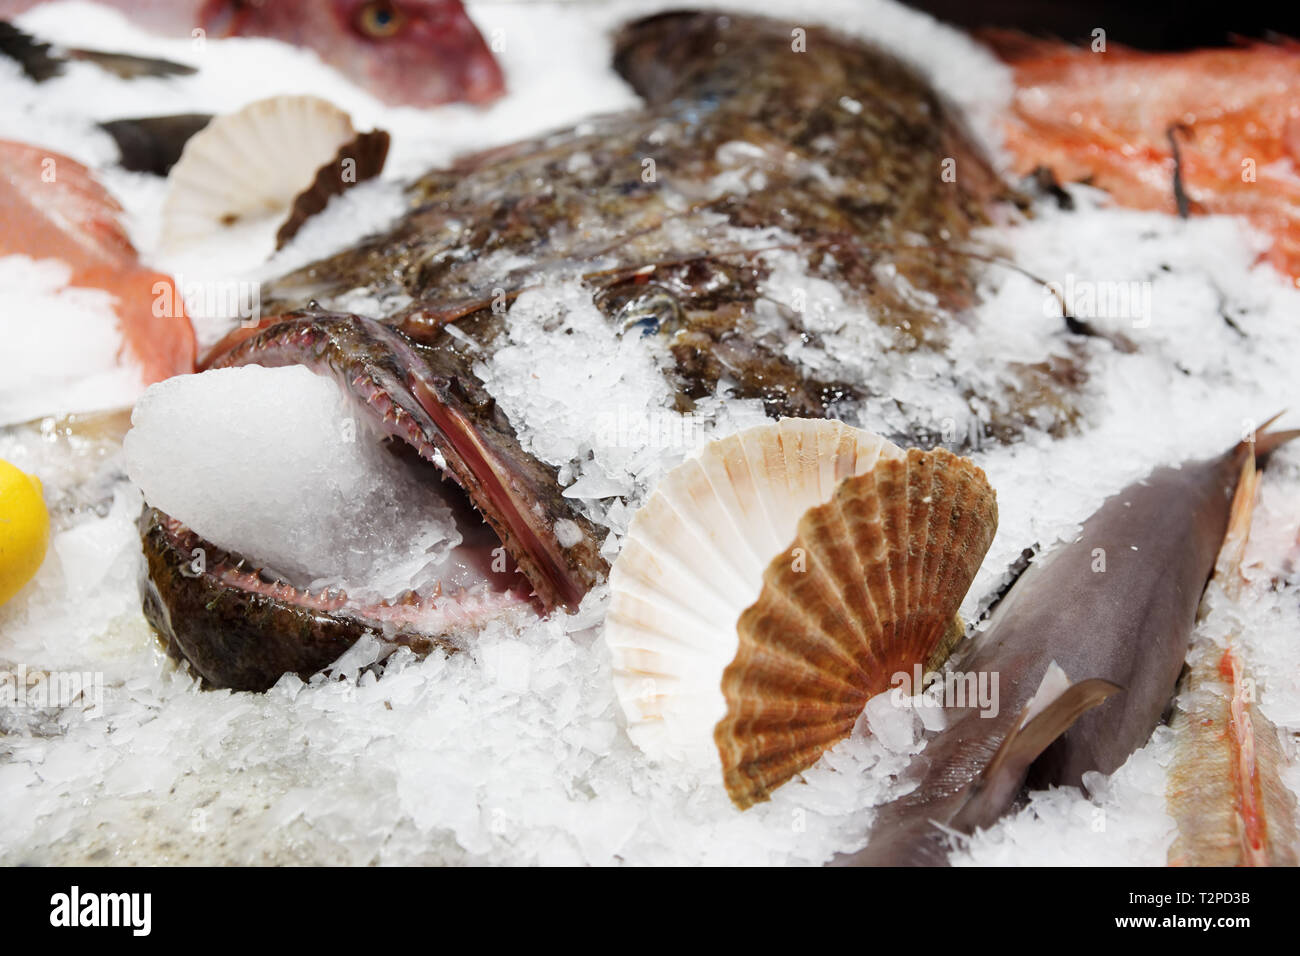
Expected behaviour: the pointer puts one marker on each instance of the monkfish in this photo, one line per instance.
(755, 137)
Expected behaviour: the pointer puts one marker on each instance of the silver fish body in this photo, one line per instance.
(1114, 609)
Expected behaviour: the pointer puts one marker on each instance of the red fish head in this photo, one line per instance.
(414, 52)
(406, 52)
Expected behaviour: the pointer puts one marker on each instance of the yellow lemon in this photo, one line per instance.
(24, 529)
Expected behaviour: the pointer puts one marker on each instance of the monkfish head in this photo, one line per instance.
(524, 550)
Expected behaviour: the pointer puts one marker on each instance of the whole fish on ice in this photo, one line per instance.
(747, 143)
(242, 627)
(1087, 645)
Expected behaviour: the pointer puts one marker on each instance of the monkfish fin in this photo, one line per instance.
(1055, 706)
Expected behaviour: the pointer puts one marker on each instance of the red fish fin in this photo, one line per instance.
(1225, 789)
(52, 207)
(1051, 712)
(155, 327)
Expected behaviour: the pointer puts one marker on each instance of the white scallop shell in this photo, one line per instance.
(249, 165)
(694, 559)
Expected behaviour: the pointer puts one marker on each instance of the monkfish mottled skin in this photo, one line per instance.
(836, 149)
(1115, 610)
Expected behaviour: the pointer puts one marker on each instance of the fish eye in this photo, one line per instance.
(380, 20)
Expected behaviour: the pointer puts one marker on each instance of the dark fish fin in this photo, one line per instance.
(32, 55)
(993, 790)
(153, 144)
(131, 67)
(39, 63)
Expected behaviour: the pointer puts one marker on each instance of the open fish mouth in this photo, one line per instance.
(523, 548)
(242, 627)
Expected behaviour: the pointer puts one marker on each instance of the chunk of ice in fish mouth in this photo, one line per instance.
(273, 464)
(295, 498)
(283, 525)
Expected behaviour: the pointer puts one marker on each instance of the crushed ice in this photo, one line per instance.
(513, 751)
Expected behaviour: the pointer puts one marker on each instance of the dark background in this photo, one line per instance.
(1153, 25)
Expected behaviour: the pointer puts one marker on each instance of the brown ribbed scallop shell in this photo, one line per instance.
(869, 588)
(367, 153)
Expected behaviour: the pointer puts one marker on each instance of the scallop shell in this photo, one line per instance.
(772, 585)
(250, 165)
(694, 559)
(366, 152)
(868, 589)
